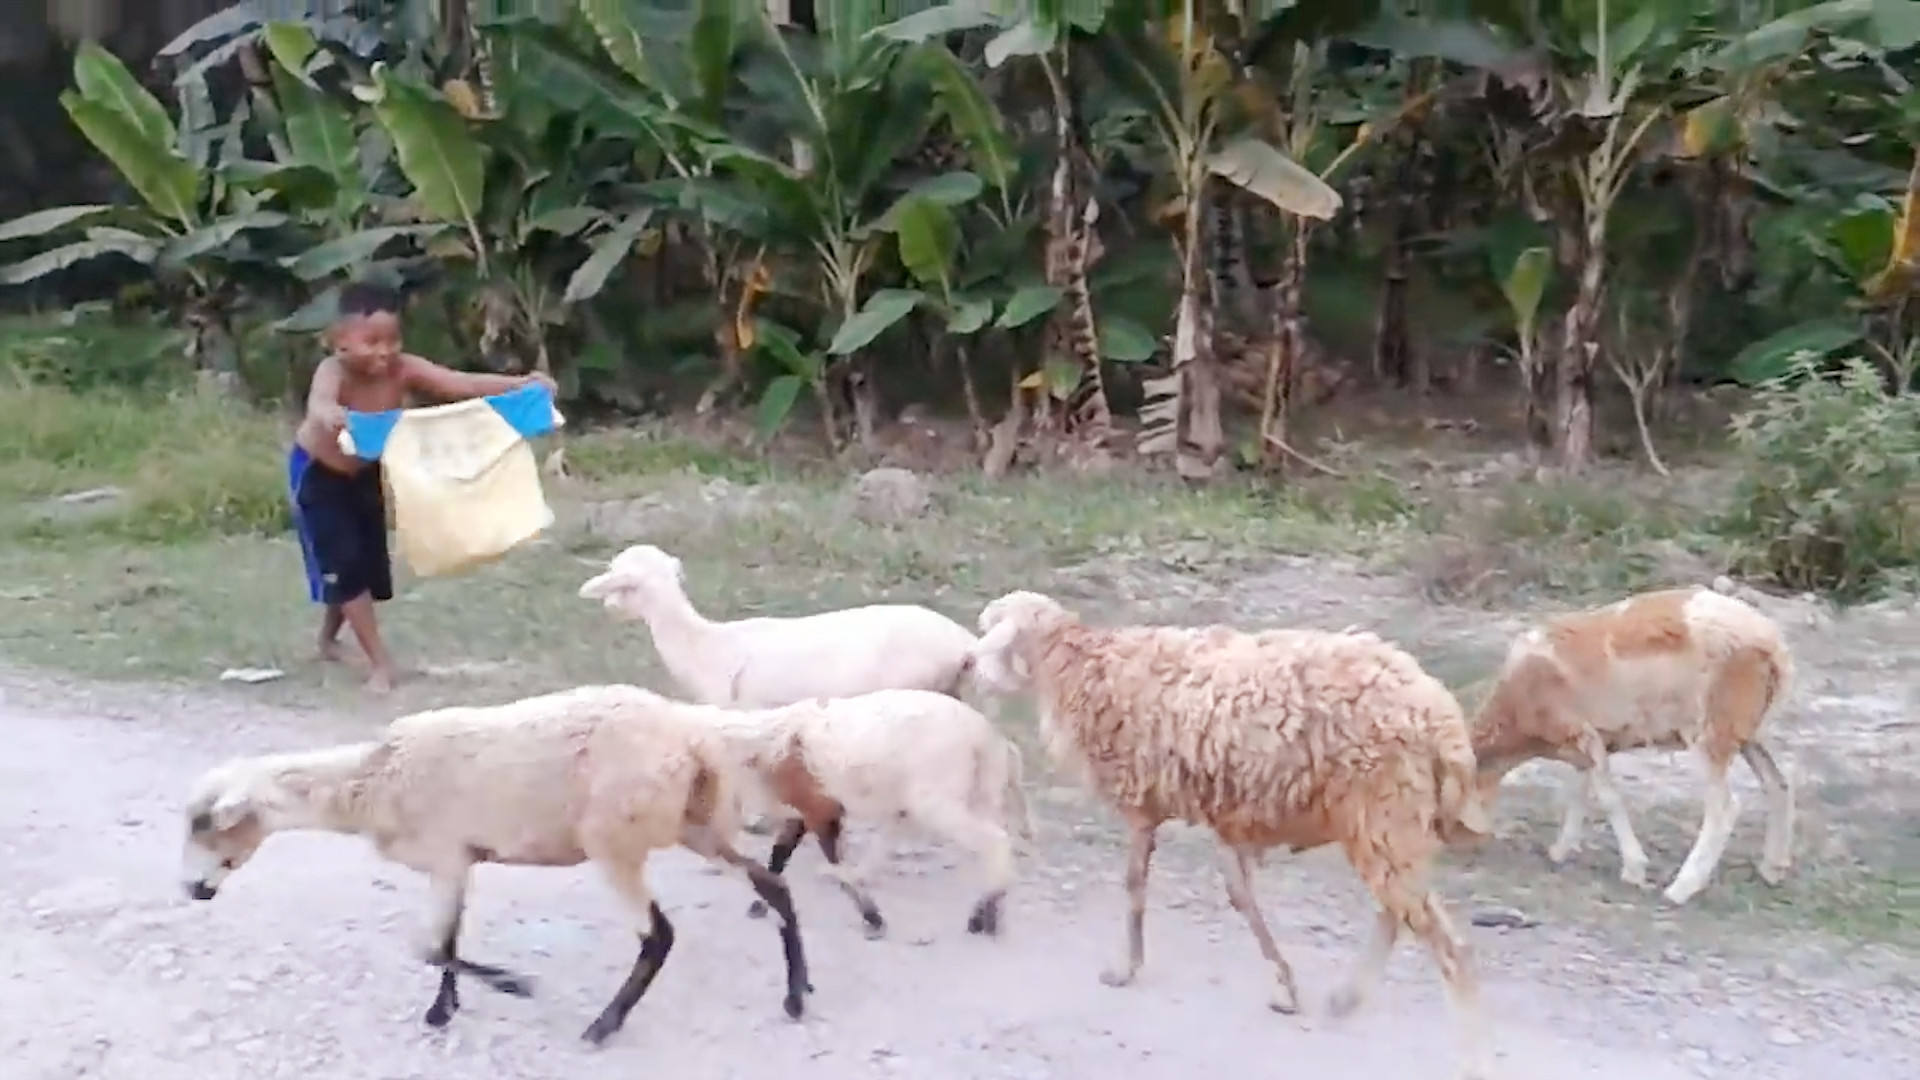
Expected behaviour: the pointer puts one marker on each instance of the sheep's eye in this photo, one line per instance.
(226, 864)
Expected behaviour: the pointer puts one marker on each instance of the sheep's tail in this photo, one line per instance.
(1455, 769)
(1019, 814)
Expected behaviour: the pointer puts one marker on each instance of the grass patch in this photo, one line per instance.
(187, 465)
(1531, 540)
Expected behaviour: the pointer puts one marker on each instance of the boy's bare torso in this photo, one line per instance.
(359, 394)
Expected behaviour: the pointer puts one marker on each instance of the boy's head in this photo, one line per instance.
(366, 334)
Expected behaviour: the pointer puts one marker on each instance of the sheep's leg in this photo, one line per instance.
(1778, 856)
(702, 840)
(1372, 967)
(1139, 858)
(656, 941)
(449, 893)
(784, 845)
(1429, 923)
(1573, 826)
(989, 842)
(853, 882)
(1716, 826)
(1233, 865)
(1633, 857)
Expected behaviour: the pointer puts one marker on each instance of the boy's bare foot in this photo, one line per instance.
(381, 681)
(330, 652)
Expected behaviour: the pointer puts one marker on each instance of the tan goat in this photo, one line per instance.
(1286, 738)
(1674, 669)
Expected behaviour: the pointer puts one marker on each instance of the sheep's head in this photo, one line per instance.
(1007, 628)
(634, 580)
(223, 827)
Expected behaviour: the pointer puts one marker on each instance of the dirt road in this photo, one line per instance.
(301, 967)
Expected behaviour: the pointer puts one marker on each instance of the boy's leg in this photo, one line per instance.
(298, 462)
(373, 572)
(330, 625)
(349, 546)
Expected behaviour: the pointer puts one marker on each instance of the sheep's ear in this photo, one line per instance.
(597, 586)
(229, 809)
(995, 648)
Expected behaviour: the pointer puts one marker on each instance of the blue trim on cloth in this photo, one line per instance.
(527, 409)
(370, 431)
(298, 462)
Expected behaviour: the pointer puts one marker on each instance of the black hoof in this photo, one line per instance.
(600, 1031)
(513, 985)
(985, 920)
(439, 1014)
(795, 1006)
(757, 910)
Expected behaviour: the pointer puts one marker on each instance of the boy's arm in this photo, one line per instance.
(447, 384)
(325, 417)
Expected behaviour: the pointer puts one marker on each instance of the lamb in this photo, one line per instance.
(1284, 738)
(1661, 670)
(602, 773)
(767, 662)
(894, 756)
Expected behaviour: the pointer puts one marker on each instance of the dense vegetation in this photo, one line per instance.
(1099, 226)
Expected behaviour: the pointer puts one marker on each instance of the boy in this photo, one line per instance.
(339, 507)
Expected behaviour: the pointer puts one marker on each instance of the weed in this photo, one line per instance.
(1576, 538)
(1829, 469)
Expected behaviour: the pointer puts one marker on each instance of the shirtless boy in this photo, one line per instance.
(339, 506)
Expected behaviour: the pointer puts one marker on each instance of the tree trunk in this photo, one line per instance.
(1573, 423)
(1286, 345)
(1071, 332)
(1201, 437)
(1394, 356)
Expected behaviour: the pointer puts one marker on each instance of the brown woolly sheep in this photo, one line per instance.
(1673, 669)
(1286, 738)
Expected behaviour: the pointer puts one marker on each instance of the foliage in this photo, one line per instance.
(1830, 471)
(633, 192)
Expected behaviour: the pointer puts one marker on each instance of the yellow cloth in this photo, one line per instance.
(463, 486)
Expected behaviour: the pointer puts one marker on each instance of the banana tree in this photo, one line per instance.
(204, 219)
(847, 112)
(1176, 69)
(1071, 371)
(668, 102)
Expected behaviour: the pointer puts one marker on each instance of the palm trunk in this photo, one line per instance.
(1580, 352)
(1200, 437)
(1071, 331)
(1394, 357)
(1286, 345)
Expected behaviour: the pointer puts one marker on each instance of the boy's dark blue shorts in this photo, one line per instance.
(342, 524)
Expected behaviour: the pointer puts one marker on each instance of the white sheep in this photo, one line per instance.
(893, 757)
(603, 773)
(1677, 668)
(765, 662)
(1286, 738)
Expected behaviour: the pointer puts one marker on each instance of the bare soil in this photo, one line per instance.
(302, 966)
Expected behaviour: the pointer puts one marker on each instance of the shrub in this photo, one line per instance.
(1829, 468)
(85, 350)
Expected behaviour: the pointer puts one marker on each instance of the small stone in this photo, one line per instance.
(1783, 1036)
(1503, 918)
(198, 1040)
(891, 494)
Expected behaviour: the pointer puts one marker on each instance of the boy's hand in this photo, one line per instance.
(545, 380)
(332, 418)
